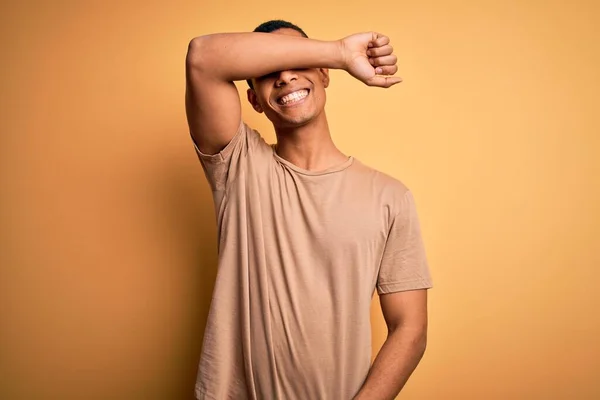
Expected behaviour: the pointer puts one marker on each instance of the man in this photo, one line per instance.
(306, 233)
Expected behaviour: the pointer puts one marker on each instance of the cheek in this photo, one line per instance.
(263, 100)
(320, 96)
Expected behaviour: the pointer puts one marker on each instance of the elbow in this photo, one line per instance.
(197, 55)
(415, 338)
(418, 345)
(194, 51)
(421, 344)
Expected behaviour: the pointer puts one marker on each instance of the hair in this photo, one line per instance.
(272, 26)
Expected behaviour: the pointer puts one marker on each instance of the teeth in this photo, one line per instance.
(294, 96)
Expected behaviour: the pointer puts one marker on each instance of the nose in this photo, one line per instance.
(285, 77)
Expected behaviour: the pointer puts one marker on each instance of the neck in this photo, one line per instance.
(309, 146)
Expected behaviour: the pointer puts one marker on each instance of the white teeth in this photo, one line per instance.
(294, 96)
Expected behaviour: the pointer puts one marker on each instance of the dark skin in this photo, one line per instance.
(303, 136)
(279, 64)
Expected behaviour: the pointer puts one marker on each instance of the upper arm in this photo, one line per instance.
(406, 309)
(404, 263)
(212, 105)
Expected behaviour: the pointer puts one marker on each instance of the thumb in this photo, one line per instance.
(383, 81)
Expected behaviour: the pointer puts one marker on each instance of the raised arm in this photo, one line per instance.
(213, 62)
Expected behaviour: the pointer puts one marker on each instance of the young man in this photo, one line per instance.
(306, 233)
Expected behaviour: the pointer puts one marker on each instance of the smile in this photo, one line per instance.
(293, 97)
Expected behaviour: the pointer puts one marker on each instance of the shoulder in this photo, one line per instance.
(386, 192)
(380, 182)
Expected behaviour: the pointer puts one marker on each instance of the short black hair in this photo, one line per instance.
(272, 26)
(276, 24)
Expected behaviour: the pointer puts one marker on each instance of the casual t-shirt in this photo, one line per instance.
(300, 255)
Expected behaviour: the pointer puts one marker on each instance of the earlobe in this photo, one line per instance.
(324, 76)
(253, 101)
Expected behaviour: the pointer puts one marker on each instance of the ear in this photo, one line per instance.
(324, 73)
(253, 100)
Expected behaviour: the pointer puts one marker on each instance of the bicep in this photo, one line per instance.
(405, 309)
(212, 106)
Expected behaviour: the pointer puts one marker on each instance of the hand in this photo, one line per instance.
(368, 57)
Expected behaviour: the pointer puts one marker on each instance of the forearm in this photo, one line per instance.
(395, 362)
(238, 56)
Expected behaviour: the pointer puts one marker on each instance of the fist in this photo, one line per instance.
(369, 58)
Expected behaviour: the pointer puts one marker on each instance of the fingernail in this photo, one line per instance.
(378, 70)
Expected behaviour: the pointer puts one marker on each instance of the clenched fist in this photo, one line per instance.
(369, 58)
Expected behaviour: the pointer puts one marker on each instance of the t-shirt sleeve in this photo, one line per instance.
(223, 167)
(404, 263)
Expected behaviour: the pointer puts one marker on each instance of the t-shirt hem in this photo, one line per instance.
(393, 287)
(202, 394)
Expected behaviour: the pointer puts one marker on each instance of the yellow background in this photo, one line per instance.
(108, 249)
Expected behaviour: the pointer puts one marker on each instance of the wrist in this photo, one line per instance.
(339, 53)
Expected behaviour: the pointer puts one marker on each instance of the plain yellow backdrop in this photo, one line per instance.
(108, 239)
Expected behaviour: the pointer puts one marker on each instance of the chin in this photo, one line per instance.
(294, 122)
(290, 121)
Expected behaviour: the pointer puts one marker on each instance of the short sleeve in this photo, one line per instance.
(223, 168)
(404, 263)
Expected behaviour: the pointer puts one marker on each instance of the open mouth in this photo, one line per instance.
(293, 98)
